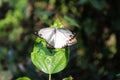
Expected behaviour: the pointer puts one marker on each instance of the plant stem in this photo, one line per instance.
(49, 76)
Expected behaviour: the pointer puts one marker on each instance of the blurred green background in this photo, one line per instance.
(96, 56)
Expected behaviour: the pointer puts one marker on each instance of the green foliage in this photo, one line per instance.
(57, 24)
(49, 60)
(82, 2)
(43, 15)
(95, 22)
(71, 21)
(23, 78)
(12, 19)
(3, 53)
(68, 78)
(98, 4)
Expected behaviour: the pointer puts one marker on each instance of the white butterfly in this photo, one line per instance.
(57, 37)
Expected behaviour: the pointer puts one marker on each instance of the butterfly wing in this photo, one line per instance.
(69, 35)
(62, 37)
(46, 33)
(56, 37)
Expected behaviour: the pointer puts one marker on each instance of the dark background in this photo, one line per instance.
(96, 23)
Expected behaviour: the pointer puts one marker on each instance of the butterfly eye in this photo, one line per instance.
(40, 34)
(70, 35)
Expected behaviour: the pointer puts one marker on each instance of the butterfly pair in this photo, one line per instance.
(57, 37)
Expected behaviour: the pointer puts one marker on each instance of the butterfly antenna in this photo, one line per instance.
(75, 34)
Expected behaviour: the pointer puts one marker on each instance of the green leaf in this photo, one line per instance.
(49, 60)
(98, 4)
(43, 15)
(71, 21)
(21, 4)
(83, 1)
(23, 78)
(68, 78)
(57, 24)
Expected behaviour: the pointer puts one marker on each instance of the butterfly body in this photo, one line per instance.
(57, 37)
